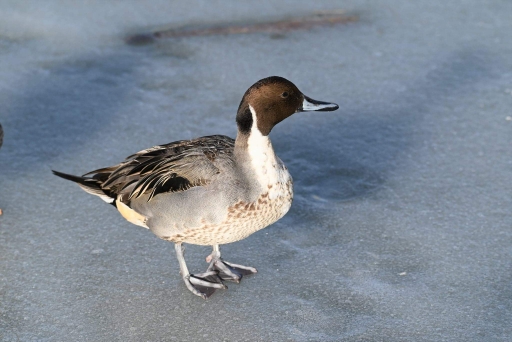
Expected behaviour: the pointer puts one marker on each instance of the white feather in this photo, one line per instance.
(97, 192)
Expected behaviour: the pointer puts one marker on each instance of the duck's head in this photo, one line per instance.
(270, 101)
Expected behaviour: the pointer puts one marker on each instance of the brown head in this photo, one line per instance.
(273, 99)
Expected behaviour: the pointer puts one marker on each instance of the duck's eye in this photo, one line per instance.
(284, 95)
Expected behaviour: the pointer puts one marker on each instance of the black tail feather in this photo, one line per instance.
(90, 185)
(76, 179)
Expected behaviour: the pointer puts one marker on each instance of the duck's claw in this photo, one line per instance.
(230, 271)
(204, 284)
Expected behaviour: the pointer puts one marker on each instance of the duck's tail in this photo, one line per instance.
(89, 185)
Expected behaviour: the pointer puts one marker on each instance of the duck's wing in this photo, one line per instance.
(172, 167)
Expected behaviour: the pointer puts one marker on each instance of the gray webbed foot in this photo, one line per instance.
(227, 270)
(204, 284)
(230, 271)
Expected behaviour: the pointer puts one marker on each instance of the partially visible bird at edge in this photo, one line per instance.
(1, 142)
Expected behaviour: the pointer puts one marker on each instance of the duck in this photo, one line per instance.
(212, 190)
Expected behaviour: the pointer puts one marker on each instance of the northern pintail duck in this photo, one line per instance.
(211, 190)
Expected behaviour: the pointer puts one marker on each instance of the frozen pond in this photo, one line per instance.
(401, 227)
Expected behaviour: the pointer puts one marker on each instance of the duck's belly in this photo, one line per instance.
(242, 219)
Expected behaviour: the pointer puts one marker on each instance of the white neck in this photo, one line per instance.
(261, 153)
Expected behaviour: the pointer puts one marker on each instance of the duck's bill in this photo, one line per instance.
(309, 105)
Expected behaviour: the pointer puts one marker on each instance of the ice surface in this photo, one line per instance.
(401, 225)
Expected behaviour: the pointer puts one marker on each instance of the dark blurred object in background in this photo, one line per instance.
(1, 141)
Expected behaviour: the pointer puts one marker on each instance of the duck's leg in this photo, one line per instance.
(202, 285)
(227, 270)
